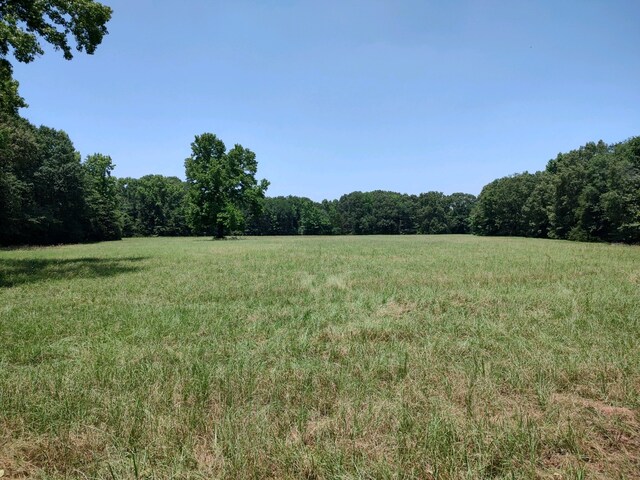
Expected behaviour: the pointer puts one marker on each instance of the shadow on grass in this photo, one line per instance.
(24, 271)
(223, 239)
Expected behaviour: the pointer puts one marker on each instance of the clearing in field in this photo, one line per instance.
(352, 357)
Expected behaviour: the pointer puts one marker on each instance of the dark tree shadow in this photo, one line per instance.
(15, 272)
(216, 239)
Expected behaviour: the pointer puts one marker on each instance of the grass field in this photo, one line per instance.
(443, 357)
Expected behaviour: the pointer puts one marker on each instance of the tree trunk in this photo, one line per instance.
(219, 230)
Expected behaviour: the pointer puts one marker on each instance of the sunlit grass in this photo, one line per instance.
(350, 357)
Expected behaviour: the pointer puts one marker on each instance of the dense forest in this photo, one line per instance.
(588, 194)
(156, 205)
(49, 195)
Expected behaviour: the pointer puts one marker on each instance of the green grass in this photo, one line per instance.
(443, 357)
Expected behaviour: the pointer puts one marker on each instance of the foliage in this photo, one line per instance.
(153, 205)
(18, 156)
(24, 22)
(431, 214)
(620, 203)
(588, 194)
(222, 186)
(10, 100)
(290, 216)
(46, 195)
(101, 198)
(58, 213)
(570, 179)
(458, 212)
(42, 186)
(500, 208)
(365, 213)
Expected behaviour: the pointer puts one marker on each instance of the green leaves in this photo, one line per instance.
(102, 198)
(222, 186)
(153, 205)
(10, 100)
(588, 194)
(24, 22)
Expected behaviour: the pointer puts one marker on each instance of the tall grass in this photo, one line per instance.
(443, 357)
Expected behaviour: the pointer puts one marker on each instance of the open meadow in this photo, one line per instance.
(449, 357)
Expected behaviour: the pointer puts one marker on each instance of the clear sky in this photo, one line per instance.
(338, 96)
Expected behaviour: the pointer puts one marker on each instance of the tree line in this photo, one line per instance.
(365, 213)
(157, 205)
(588, 194)
(591, 193)
(48, 194)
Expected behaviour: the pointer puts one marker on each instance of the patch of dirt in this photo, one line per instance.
(22, 458)
(394, 309)
(352, 431)
(13, 462)
(599, 407)
(208, 456)
(611, 447)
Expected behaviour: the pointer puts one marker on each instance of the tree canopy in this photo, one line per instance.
(63, 24)
(153, 205)
(23, 23)
(591, 193)
(222, 186)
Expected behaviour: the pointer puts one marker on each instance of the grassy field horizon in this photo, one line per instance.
(449, 357)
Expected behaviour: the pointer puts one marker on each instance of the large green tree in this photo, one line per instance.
(573, 191)
(500, 209)
(101, 197)
(18, 161)
(222, 186)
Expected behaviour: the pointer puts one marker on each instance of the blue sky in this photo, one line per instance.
(338, 96)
